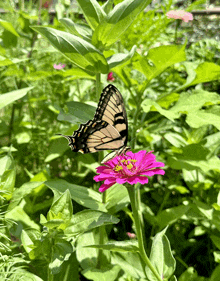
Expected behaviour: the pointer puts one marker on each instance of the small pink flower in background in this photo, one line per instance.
(131, 168)
(59, 66)
(131, 235)
(110, 77)
(179, 14)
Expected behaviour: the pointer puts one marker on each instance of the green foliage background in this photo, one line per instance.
(50, 206)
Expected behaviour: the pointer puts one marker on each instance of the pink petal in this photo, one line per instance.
(104, 186)
(136, 179)
(153, 172)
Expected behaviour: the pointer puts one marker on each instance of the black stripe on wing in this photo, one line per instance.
(112, 110)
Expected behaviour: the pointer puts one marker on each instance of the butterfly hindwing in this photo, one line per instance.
(109, 128)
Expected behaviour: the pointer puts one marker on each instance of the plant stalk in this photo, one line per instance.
(137, 221)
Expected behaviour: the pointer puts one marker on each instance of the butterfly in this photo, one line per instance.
(107, 131)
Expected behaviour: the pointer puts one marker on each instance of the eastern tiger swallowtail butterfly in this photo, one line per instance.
(107, 131)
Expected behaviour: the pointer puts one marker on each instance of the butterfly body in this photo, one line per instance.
(109, 128)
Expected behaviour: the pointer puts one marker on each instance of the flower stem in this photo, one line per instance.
(137, 221)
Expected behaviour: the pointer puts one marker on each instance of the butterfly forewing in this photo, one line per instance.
(107, 130)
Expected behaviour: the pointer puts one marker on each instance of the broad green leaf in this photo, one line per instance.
(216, 240)
(118, 246)
(82, 195)
(76, 73)
(161, 257)
(116, 198)
(191, 102)
(21, 192)
(92, 11)
(10, 97)
(107, 6)
(7, 175)
(158, 59)
(9, 39)
(117, 22)
(88, 219)
(28, 237)
(169, 216)
(18, 214)
(204, 117)
(87, 257)
(216, 273)
(175, 139)
(77, 112)
(70, 270)
(217, 256)
(61, 251)
(80, 52)
(205, 72)
(150, 105)
(61, 208)
(119, 58)
(82, 30)
(108, 273)
(5, 61)
(191, 159)
(190, 275)
(9, 27)
(130, 262)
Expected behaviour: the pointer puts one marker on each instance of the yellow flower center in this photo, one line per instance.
(127, 163)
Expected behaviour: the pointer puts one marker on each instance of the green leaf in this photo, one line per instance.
(108, 273)
(82, 195)
(130, 262)
(216, 273)
(150, 105)
(92, 11)
(169, 216)
(7, 176)
(18, 214)
(116, 198)
(120, 58)
(107, 6)
(9, 27)
(204, 117)
(175, 139)
(10, 97)
(70, 270)
(205, 72)
(161, 257)
(190, 275)
(118, 246)
(81, 30)
(88, 219)
(80, 52)
(158, 59)
(77, 112)
(21, 192)
(61, 209)
(117, 22)
(191, 102)
(61, 251)
(76, 73)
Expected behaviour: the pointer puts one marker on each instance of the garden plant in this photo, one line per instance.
(150, 212)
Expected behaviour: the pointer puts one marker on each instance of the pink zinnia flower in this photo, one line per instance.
(131, 168)
(179, 14)
(59, 66)
(110, 77)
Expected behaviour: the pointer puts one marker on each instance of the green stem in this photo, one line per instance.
(175, 35)
(98, 86)
(136, 215)
(101, 237)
